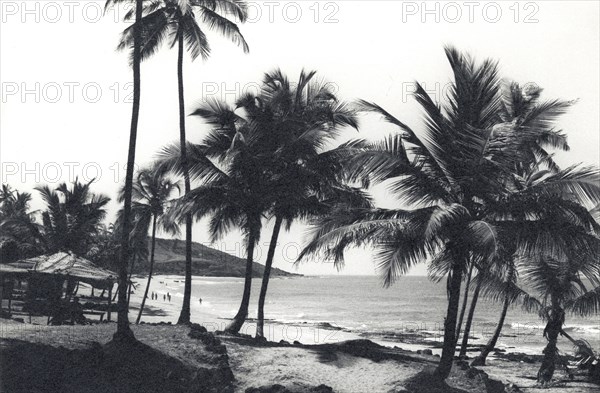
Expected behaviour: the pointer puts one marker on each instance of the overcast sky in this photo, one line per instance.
(65, 107)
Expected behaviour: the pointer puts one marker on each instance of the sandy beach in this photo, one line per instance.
(347, 367)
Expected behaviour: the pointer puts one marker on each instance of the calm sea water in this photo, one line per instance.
(331, 308)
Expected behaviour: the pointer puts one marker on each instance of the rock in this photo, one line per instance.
(427, 352)
(296, 388)
(322, 389)
(283, 342)
(518, 357)
(512, 388)
(267, 389)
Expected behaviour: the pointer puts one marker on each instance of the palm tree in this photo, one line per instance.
(232, 194)
(463, 308)
(151, 193)
(72, 217)
(123, 332)
(506, 291)
(545, 216)
(529, 123)
(175, 20)
(446, 176)
(289, 127)
(559, 282)
(106, 249)
(138, 244)
(21, 236)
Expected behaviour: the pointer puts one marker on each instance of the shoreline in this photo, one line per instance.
(516, 337)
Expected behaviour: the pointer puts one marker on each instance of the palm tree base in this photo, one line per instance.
(478, 361)
(124, 336)
(235, 325)
(183, 320)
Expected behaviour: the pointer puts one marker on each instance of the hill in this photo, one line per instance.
(206, 261)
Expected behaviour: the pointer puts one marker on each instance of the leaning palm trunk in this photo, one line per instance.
(184, 316)
(139, 317)
(556, 319)
(469, 322)
(489, 347)
(464, 304)
(130, 282)
(448, 349)
(242, 314)
(265, 281)
(123, 330)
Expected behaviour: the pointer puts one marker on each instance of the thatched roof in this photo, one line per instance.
(63, 263)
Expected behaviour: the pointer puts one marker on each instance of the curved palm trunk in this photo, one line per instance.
(123, 330)
(139, 317)
(489, 347)
(184, 316)
(464, 304)
(551, 332)
(266, 275)
(465, 339)
(240, 317)
(449, 347)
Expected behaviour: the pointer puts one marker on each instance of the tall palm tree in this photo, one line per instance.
(72, 217)
(530, 124)
(152, 192)
(289, 127)
(232, 194)
(445, 175)
(175, 21)
(123, 332)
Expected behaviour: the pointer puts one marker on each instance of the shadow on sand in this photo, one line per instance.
(115, 367)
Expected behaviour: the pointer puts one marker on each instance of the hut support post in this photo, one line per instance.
(109, 302)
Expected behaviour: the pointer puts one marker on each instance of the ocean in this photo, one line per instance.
(325, 309)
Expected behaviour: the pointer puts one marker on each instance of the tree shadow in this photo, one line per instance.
(115, 367)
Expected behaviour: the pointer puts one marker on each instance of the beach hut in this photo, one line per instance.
(46, 276)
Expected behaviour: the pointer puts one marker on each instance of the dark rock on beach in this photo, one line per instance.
(296, 388)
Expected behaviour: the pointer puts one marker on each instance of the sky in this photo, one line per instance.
(66, 93)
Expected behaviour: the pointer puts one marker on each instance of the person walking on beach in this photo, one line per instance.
(169, 297)
(164, 298)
